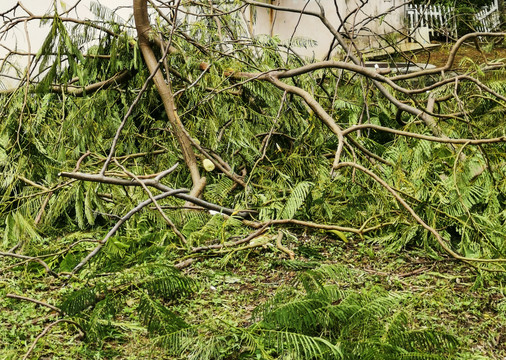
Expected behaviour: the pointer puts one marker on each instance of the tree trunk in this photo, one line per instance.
(164, 89)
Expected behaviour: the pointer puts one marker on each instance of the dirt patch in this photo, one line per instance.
(486, 53)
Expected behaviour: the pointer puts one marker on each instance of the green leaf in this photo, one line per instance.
(340, 234)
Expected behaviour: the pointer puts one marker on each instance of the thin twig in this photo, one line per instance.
(19, 297)
(156, 184)
(46, 330)
(30, 258)
(444, 140)
(184, 263)
(129, 112)
(232, 244)
(314, 225)
(120, 222)
(284, 249)
(167, 220)
(265, 142)
(42, 208)
(418, 219)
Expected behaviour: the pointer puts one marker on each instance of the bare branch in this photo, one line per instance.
(417, 218)
(19, 297)
(46, 330)
(167, 220)
(31, 258)
(156, 184)
(116, 79)
(120, 222)
(424, 137)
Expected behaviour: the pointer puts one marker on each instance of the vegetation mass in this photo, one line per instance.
(172, 188)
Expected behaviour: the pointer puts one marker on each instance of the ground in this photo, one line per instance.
(439, 293)
(438, 57)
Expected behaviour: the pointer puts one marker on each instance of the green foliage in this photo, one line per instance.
(157, 318)
(323, 322)
(96, 306)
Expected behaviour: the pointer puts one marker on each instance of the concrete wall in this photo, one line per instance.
(287, 25)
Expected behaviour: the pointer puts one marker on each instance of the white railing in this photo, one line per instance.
(441, 20)
(437, 18)
(488, 17)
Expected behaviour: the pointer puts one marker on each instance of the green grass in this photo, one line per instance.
(439, 294)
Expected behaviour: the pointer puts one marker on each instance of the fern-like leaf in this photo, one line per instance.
(295, 200)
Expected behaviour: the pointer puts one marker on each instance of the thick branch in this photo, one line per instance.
(143, 31)
(358, 61)
(157, 185)
(116, 79)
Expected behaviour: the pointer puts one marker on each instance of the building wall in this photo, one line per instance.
(286, 25)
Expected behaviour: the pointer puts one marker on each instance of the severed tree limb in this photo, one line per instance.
(358, 67)
(274, 78)
(368, 73)
(120, 222)
(144, 30)
(418, 219)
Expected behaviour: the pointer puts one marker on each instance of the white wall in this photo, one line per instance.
(16, 38)
(286, 25)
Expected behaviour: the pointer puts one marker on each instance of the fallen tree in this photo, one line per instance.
(93, 133)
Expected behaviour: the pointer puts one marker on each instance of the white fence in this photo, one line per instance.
(488, 18)
(437, 18)
(440, 20)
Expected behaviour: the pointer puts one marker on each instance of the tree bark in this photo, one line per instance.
(164, 89)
